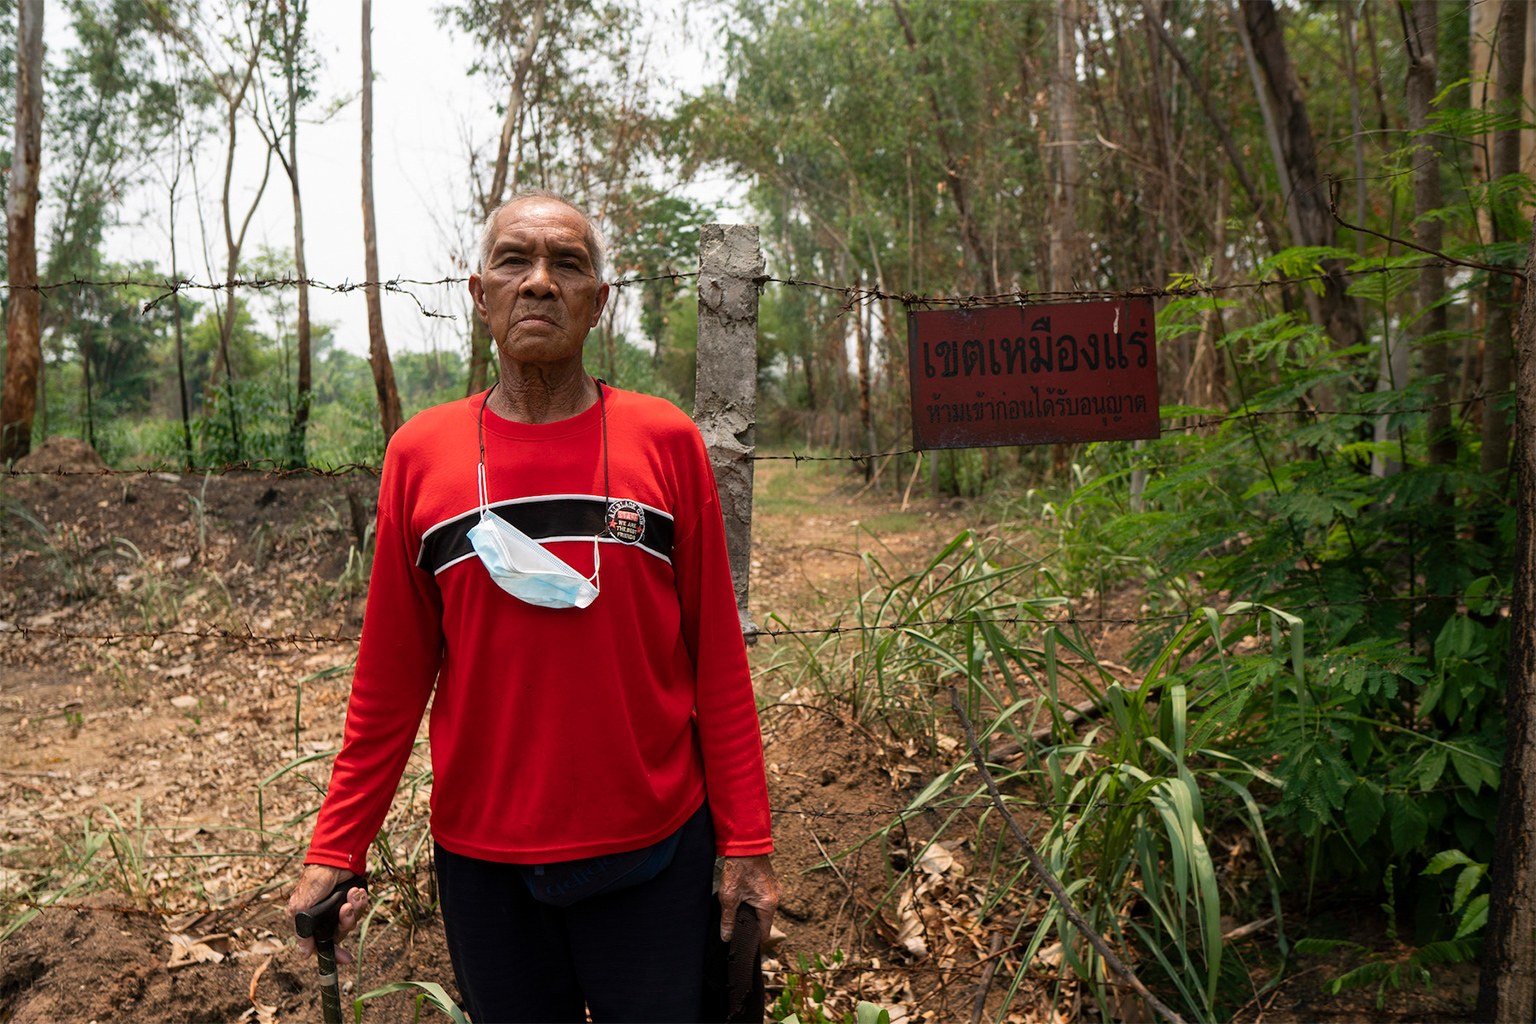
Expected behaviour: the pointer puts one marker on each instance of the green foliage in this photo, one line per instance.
(1387, 740)
(804, 997)
(624, 365)
(1390, 967)
(1130, 806)
(429, 992)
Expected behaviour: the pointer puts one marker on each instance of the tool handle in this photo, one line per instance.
(319, 921)
(330, 986)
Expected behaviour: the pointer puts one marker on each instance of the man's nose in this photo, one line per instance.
(538, 281)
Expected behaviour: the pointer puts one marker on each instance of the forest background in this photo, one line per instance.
(1325, 199)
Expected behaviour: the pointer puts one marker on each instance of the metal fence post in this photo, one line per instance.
(725, 397)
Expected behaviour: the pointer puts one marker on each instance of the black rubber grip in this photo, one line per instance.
(320, 920)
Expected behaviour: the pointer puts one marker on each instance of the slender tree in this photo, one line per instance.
(1507, 992)
(508, 157)
(390, 417)
(1066, 241)
(230, 56)
(23, 351)
(1219, 126)
(288, 28)
(1299, 166)
(1505, 211)
(1421, 30)
(954, 165)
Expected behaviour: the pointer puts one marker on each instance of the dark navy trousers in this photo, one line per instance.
(632, 955)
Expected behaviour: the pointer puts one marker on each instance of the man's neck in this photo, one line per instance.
(533, 393)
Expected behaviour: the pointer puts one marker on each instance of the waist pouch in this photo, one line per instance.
(569, 881)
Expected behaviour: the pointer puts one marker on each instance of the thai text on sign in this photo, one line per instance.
(1005, 375)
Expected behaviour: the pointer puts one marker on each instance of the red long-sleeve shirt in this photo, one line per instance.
(555, 733)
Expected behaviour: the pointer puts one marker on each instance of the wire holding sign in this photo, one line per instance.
(1011, 375)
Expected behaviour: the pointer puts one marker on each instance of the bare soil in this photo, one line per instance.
(156, 791)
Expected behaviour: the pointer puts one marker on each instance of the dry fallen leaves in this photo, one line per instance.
(261, 1013)
(188, 949)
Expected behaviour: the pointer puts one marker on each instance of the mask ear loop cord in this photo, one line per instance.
(602, 413)
(485, 503)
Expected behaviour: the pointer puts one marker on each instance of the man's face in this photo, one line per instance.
(538, 291)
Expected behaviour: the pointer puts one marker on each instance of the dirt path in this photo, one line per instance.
(150, 770)
(156, 792)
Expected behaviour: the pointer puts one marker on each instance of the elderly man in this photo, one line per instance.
(551, 555)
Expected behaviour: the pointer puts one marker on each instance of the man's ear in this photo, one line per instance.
(602, 301)
(477, 293)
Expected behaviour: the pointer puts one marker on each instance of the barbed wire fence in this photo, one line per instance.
(274, 468)
(853, 296)
(250, 638)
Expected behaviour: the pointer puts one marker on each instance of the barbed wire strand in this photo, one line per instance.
(856, 293)
(401, 285)
(250, 638)
(398, 286)
(274, 468)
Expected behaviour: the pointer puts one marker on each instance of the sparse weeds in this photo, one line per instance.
(198, 507)
(160, 597)
(913, 630)
(63, 546)
(1127, 811)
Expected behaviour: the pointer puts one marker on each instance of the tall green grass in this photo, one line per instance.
(1125, 813)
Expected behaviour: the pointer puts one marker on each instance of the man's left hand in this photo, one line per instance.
(750, 880)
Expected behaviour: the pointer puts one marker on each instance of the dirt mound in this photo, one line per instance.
(100, 963)
(61, 455)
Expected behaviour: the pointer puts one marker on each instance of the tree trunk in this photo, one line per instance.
(954, 164)
(479, 330)
(1305, 191)
(298, 431)
(181, 366)
(1483, 71)
(231, 271)
(1393, 363)
(1429, 329)
(233, 93)
(1228, 144)
(85, 383)
(1064, 230)
(1508, 984)
(1356, 120)
(378, 350)
(1207, 381)
(1506, 213)
(23, 349)
(861, 339)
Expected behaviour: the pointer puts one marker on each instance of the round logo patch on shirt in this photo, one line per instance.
(626, 521)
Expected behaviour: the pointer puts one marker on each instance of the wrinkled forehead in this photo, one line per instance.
(542, 224)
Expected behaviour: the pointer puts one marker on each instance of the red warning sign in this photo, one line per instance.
(1007, 375)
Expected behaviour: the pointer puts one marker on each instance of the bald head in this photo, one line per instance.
(590, 235)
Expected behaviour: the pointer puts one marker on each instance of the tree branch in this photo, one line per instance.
(1271, 235)
(1058, 891)
(1333, 208)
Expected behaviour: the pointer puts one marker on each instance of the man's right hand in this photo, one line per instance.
(316, 882)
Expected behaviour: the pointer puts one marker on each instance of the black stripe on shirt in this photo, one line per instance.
(540, 518)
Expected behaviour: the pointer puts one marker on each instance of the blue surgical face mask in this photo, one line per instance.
(524, 568)
(521, 565)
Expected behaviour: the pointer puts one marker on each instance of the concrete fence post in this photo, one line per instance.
(725, 397)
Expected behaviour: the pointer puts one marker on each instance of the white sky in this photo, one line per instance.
(426, 108)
